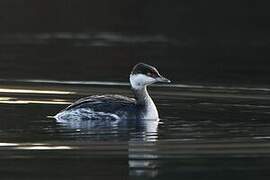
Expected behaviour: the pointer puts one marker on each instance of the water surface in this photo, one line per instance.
(205, 132)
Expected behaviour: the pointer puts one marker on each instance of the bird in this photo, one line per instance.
(118, 107)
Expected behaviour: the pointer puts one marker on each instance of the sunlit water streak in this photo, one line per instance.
(33, 91)
(95, 39)
(110, 83)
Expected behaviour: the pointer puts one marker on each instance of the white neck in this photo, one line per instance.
(151, 109)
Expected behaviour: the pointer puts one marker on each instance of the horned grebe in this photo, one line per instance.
(118, 107)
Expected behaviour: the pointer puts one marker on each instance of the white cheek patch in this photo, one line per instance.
(138, 81)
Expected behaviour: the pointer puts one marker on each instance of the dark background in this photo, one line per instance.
(194, 42)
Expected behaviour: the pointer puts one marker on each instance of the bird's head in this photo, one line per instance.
(143, 75)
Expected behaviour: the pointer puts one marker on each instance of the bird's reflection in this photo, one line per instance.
(141, 160)
(135, 129)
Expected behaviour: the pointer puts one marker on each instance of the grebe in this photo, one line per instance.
(116, 107)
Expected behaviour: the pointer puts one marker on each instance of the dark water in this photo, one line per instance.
(110, 56)
(205, 132)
